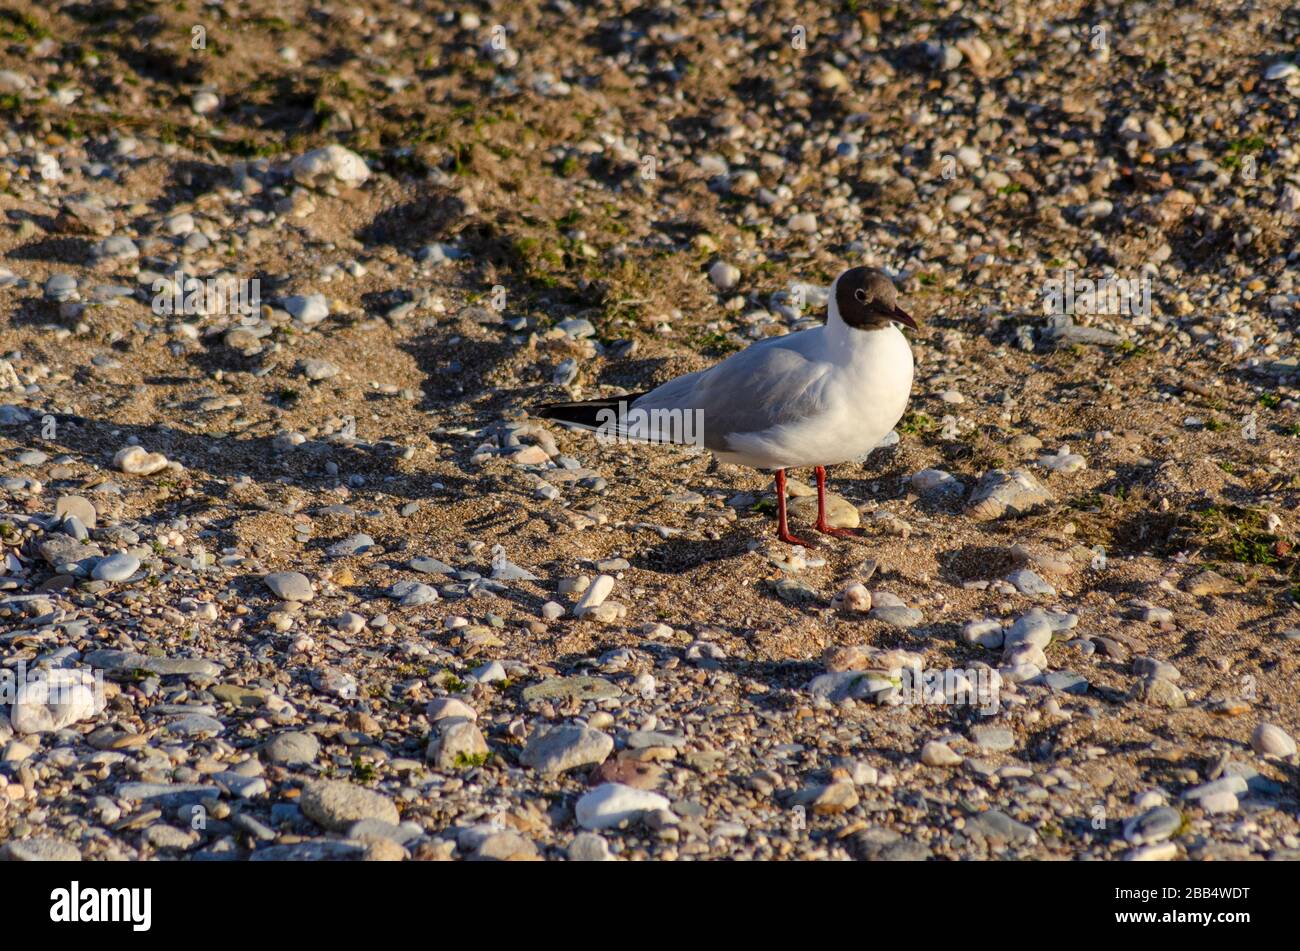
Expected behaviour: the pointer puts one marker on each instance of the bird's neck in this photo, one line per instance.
(840, 337)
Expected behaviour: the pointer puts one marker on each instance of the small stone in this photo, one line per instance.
(589, 847)
(993, 739)
(45, 705)
(1154, 825)
(1000, 494)
(594, 596)
(1152, 669)
(505, 570)
(1208, 583)
(336, 804)
(332, 164)
(413, 593)
(853, 599)
(1272, 741)
(1219, 802)
(136, 460)
(986, 633)
(430, 566)
(1157, 852)
(443, 708)
(562, 748)
(40, 849)
(204, 102)
(318, 369)
(292, 749)
(506, 846)
(897, 615)
(935, 753)
(803, 223)
(1063, 461)
(724, 276)
(998, 826)
(290, 586)
(77, 507)
(935, 483)
(1031, 583)
(116, 567)
(310, 309)
(840, 512)
(349, 622)
(612, 804)
(579, 688)
(459, 744)
(1161, 693)
(352, 545)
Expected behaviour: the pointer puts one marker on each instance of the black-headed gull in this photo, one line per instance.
(816, 398)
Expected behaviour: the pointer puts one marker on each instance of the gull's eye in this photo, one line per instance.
(862, 296)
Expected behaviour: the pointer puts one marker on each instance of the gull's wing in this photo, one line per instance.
(767, 384)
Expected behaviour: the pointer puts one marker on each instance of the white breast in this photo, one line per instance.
(863, 395)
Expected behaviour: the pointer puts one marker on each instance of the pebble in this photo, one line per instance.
(1001, 494)
(310, 309)
(1272, 741)
(993, 739)
(1063, 461)
(330, 165)
(336, 804)
(1154, 825)
(589, 847)
(562, 748)
(724, 276)
(290, 586)
(997, 826)
(317, 369)
(78, 507)
(292, 749)
(39, 849)
(1031, 583)
(136, 460)
(352, 545)
(458, 744)
(853, 599)
(612, 804)
(896, 616)
(936, 483)
(443, 708)
(116, 567)
(594, 596)
(413, 593)
(935, 753)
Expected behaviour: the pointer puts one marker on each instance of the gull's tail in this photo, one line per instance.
(587, 414)
(617, 419)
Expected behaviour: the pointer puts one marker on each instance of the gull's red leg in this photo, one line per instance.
(783, 529)
(821, 525)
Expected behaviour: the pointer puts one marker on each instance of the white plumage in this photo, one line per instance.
(817, 397)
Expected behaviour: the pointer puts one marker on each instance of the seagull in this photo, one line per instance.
(818, 397)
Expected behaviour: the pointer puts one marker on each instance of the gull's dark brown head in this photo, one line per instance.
(867, 300)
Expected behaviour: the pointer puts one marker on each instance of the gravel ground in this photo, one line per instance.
(292, 573)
